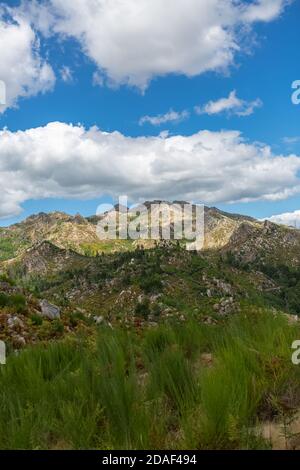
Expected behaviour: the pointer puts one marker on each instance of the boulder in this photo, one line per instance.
(14, 322)
(98, 320)
(50, 311)
(18, 341)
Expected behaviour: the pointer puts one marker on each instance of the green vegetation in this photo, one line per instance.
(106, 246)
(17, 302)
(156, 346)
(289, 279)
(175, 386)
(7, 249)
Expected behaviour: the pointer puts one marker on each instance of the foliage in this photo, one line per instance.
(17, 302)
(129, 390)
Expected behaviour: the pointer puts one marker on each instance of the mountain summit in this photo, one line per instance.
(222, 231)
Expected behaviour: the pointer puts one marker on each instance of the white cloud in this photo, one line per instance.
(291, 140)
(66, 74)
(288, 218)
(264, 10)
(232, 105)
(98, 79)
(65, 161)
(134, 41)
(170, 116)
(22, 69)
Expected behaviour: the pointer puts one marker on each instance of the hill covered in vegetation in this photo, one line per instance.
(149, 345)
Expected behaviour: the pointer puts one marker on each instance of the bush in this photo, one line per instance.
(16, 301)
(4, 300)
(143, 308)
(76, 318)
(57, 327)
(156, 310)
(151, 283)
(36, 320)
(7, 279)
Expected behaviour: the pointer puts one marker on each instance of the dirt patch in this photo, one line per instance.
(283, 435)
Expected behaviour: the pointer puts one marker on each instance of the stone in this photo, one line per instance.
(292, 319)
(209, 321)
(98, 319)
(15, 322)
(19, 341)
(207, 359)
(50, 311)
(209, 293)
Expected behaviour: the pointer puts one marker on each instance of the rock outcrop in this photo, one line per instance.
(50, 311)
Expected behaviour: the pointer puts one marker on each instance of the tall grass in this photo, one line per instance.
(119, 391)
(151, 390)
(252, 369)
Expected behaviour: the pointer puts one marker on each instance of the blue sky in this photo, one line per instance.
(263, 69)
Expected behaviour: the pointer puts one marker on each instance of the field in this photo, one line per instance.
(175, 386)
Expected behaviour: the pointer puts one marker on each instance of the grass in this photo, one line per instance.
(151, 389)
(16, 302)
(7, 249)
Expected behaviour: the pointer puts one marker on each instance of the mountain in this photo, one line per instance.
(246, 238)
(59, 257)
(222, 319)
(61, 229)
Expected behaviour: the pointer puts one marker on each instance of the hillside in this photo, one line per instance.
(244, 263)
(79, 234)
(203, 334)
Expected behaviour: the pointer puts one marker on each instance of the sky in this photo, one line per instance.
(173, 99)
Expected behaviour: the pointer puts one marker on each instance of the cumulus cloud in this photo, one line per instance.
(264, 10)
(288, 218)
(98, 79)
(170, 116)
(66, 74)
(134, 41)
(62, 160)
(291, 140)
(22, 69)
(232, 105)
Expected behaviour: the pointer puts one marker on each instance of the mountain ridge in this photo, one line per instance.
(78, 233)
(58, 258)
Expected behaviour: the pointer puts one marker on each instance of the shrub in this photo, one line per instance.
(57, 327)
(36, 320)
(151, 283)
(4, 300)
(77, 317)
(156, 310)
(16, 301)
(7, 279)
(143, 308)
